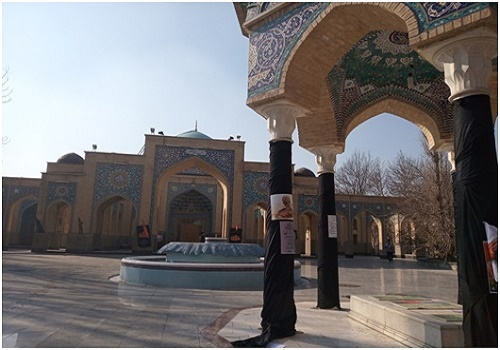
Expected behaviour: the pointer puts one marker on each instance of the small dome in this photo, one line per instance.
(71, 158)
(194, 134)
(304, 172)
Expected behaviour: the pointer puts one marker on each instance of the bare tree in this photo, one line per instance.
(425, 188)
(353, 177)
(6, 90)
(378, 178)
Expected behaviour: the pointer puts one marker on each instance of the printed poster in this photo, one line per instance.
(281, 207)
(287, 237)
(332, 226)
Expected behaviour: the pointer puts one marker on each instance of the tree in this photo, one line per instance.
(424, 186)
(6, 91)
(361, 175)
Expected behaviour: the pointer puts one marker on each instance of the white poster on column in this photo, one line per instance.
(287, 237)
(332, 226)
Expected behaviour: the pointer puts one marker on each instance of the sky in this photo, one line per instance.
(105, 73)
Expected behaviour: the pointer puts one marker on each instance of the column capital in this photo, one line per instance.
(280, 116)
(449, 148)
(326, 157)
(465, 60)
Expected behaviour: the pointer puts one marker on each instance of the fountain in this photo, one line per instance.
(215, 264)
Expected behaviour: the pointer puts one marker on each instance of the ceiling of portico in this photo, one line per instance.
(353, 60)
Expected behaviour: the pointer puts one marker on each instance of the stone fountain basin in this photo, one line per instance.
(197, 266)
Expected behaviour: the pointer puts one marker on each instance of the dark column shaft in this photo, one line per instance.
(476, 201)
(328, 267)
(279, 309)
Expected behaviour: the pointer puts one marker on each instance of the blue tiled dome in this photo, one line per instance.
(194, 134)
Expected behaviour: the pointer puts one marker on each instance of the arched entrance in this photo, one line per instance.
(307, 233)
(58, 223)
(22, 224)
(407, 238)
(116, 222)
(189, 217)
(254, 224)
(208, 185)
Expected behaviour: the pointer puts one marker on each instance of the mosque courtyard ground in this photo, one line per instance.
(67, 300)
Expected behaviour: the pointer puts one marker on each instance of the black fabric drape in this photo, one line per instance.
(279, 310)
(328, 268)
(476, 199)
(278, 313)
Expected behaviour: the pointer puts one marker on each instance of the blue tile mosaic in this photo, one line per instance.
(433, 14)
(118, 180)
(61, 191)
(255, 188)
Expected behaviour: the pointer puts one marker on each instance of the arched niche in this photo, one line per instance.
(58, 217)
(190, 216)
(116, 221)
(254, 223)
(161, 200)
(21, 221)
(307, 234)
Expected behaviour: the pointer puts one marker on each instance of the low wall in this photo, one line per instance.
(155, 271)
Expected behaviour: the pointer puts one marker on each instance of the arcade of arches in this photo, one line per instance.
(183, 187)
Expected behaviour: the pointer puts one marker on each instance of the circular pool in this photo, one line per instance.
(217, 266)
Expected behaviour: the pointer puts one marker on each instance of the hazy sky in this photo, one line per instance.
(104, 73)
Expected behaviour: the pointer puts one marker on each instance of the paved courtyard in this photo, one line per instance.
(64, 300)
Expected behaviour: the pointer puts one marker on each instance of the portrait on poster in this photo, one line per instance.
(287, 237)
(281, 207)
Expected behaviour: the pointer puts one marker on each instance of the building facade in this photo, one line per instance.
(182, 188)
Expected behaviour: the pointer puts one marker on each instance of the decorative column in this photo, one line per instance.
(449, 148)
(328, 266)
(466, 62)
(278, 311)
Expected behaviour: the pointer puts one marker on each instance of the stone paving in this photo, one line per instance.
(64, 300)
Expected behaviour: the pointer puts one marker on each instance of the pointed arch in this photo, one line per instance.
(189, 217)
(307, 235)
(160, 199)
(254, 223)
(116, 220)
(21, 220)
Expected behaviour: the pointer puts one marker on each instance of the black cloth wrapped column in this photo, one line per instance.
(328, 269)
(476, 186)
(278, 311)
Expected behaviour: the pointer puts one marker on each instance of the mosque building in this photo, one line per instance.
(179, 188)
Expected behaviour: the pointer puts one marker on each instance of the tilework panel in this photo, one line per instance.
(308, 203)
(118, 180)
(271, 44)
(61, 190)
(434, 14)
(12, 193)
(342, 206)
(175, 189)
(254, 188)
(378, 67)
(168, 156)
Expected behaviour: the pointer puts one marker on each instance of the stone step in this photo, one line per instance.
(415, 321)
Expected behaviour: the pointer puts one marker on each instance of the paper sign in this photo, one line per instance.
(287, 237)
(332, 226)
